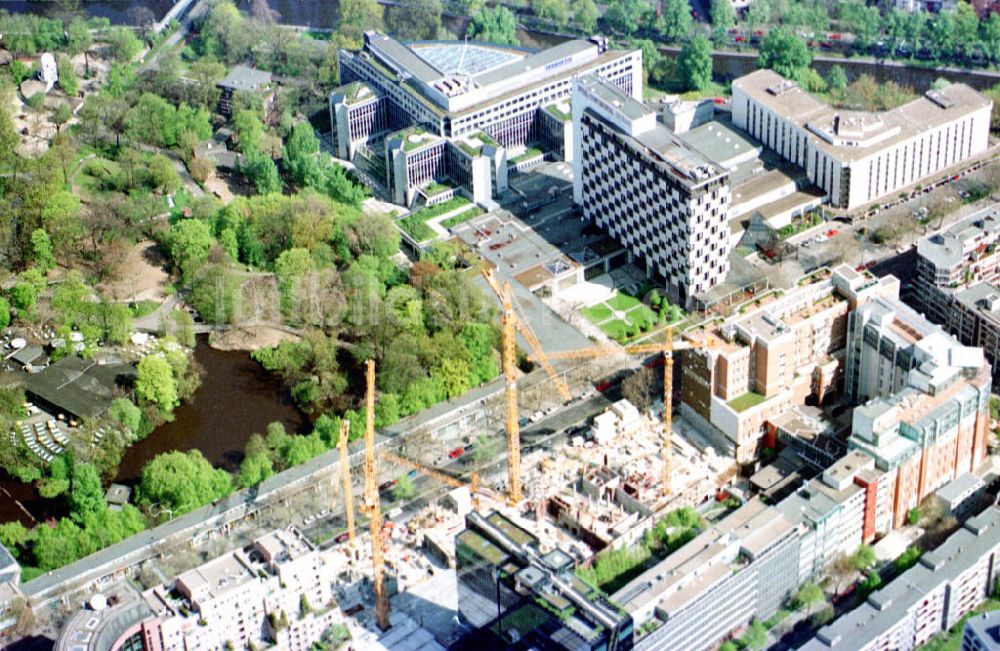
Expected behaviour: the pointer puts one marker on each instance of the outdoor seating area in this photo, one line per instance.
(45, 439)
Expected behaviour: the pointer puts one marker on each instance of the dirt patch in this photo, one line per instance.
(216, 186)
(250, 338)
(143, 275)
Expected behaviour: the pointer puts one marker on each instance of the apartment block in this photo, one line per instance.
(836, 512)
(768, 357)
(954, 259)
(664, 202)
(982, 633)
(858, 157)
(926, 416)
(928, 598)
(276, 591)
(738, 569)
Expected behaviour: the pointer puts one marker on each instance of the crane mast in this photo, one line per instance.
(668, 406)
(510, 396)
(372, 506)
(345, 478)
(667, 348)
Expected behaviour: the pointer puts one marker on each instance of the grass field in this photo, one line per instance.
(620, 317)
(746, 401)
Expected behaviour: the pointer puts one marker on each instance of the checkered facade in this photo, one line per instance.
(677, 232)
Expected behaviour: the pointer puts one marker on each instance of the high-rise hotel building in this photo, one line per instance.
(665, 203)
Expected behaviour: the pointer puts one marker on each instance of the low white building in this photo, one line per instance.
(858, 157)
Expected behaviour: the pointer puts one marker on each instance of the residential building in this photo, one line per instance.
(955, 258)
(243, 79)
(930, 6)
(511, 593)
(278, 590)
(926, 416)
(928, 598)
(960, 495)
(974, 318)
(508, 96)
(982, 632)
(661, 200)
(836, 512)
(958, 269)
(859, 157)
(741, 568)
(781, 350)
(10, 593)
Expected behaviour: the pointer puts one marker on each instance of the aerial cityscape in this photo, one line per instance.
(540, 324)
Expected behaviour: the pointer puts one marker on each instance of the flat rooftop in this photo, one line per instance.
(982, 298)
(96, 630)
(852, 135)
(216, 577)
(245, 78)
(658, 143)
(79, 387)
(704, 561)
(886, 608)
(722, 143)
(952, 245)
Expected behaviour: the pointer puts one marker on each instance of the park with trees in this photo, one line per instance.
(295, 249)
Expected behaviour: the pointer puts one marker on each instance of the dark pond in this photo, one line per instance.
(236, 398)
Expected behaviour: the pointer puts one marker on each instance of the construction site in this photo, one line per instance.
(387, 515)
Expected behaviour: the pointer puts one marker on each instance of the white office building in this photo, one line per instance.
(858, 157)
(467, 94)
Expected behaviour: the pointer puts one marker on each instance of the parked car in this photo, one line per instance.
(456, 453)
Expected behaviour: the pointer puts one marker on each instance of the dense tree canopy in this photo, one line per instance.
(785, 53)
(181, 482)
(496, 25)
(694, 63)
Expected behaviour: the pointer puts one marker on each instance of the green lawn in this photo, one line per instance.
(416, 227)
(415, 224)
(623, 302)
(746, 401)
(616, 329)
(143, 308)
(636, 316)
(640, 315)
(462, 217)
(596, 313)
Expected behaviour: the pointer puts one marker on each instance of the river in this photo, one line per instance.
(312, 13)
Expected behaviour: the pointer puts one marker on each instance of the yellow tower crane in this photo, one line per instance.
(668, 347)
(345, 478)
(371, 503)
(510, 322)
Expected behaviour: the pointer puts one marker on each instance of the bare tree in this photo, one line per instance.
(841, 569)
(261, 10)
(142, 17)
(638, 388)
